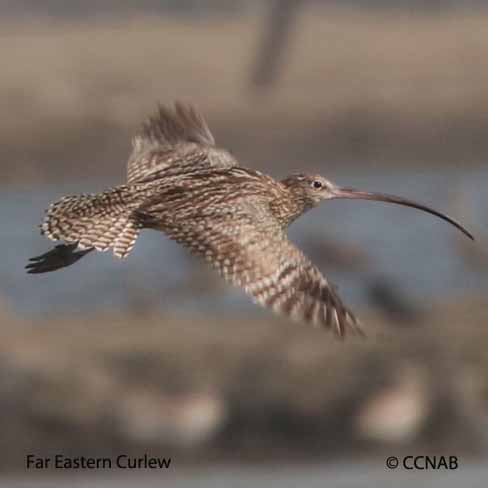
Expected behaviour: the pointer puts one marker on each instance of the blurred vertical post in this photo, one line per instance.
(275, 39)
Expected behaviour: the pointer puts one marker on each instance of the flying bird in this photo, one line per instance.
(181, 183)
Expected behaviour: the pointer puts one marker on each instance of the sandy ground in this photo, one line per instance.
(352, 475)
(373, 87)
(234, 389)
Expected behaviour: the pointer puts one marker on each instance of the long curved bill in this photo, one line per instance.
(352, 193)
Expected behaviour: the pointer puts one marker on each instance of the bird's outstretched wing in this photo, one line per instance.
(254, 254)
(173, 142)
(302, 292)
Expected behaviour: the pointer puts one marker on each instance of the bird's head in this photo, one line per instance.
(312, 189)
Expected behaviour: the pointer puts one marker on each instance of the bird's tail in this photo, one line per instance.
(105, 221)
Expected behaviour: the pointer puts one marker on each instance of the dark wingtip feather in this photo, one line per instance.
(61, 256)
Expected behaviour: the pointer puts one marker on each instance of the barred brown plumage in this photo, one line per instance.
(181, 183)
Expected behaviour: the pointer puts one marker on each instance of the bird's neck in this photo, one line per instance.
(289, 205)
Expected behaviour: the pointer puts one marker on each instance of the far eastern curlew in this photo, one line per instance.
(181, 183)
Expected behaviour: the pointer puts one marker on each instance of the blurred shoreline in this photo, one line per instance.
(369, 86)
(241, 390)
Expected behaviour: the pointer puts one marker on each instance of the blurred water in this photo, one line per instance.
(415, 250)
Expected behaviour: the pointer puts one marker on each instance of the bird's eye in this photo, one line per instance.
(317, 184)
